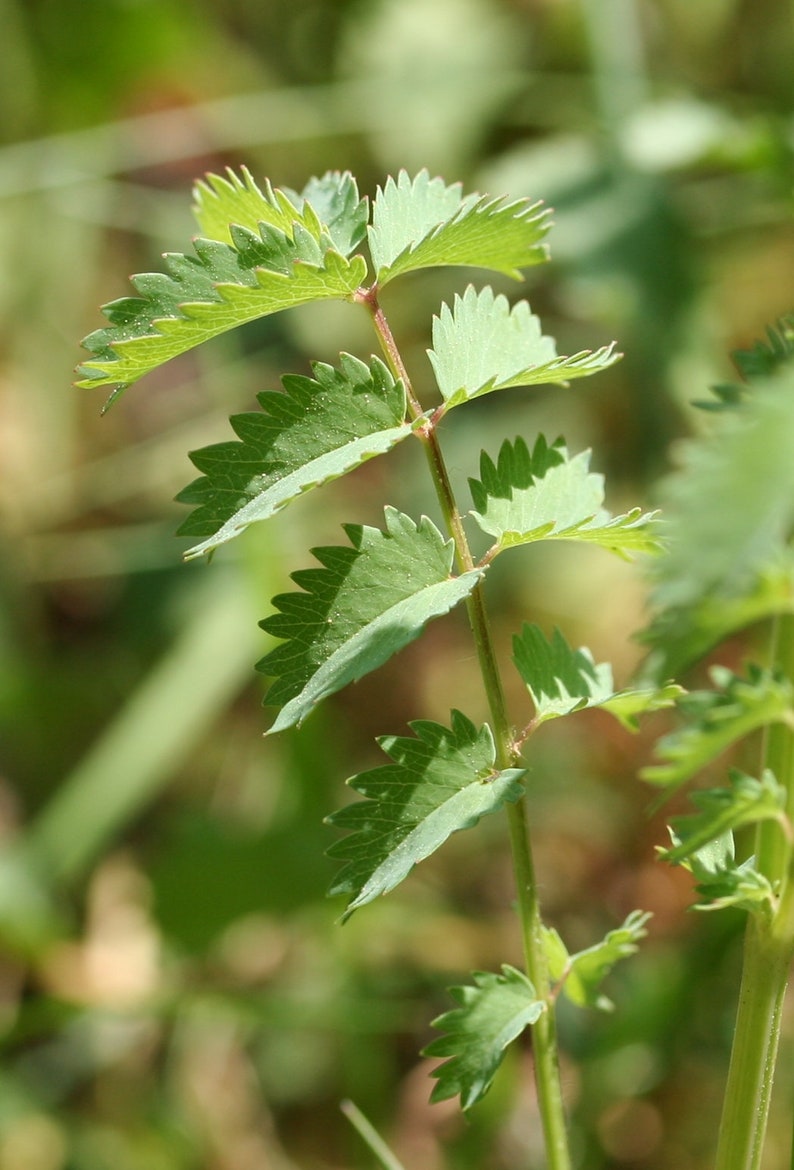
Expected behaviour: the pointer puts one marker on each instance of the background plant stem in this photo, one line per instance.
(768, 949)
(544, 1031)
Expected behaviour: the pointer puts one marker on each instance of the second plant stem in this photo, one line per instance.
(768, 949)
(544, 1032)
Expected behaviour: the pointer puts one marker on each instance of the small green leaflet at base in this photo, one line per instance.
(221, 287)
(581, 975)
(746, 801)
(440, 781)
(482, 345)
(494, 1011)
(422, 223)
(561, 680)
(318, 429)
(722, 883)
(368, 601)
(545, 495)
(718, 719)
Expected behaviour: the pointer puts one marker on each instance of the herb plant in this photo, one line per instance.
(263, 250)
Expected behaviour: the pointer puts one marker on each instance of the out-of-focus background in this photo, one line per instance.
(174, 991)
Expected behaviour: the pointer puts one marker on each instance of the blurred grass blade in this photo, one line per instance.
(137, 755)
(370, 1135)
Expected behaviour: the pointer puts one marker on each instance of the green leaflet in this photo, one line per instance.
(365, 603)
(561, 680)
(722, 883)
(745, 801)
(481, 345)
(545, 495)
(316, 430)
(440, 781)
(221, 287)
(422, 223)
(718, 719)
(222, 201)
(331, 201)
(582, 973)
(494, 1011)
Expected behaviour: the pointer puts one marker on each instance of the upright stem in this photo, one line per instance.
(768, 950)
(544, 1033)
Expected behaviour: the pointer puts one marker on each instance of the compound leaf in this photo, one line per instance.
(494, 1011)
(746, 801)
(440, 781)
(582, 974)
(316, 430)
(482, 344)
(423, 223)
(718, 719)
(561, 680)
(367, 601)
(545, 495)
(220, 287)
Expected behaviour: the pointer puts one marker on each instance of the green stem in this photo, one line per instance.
(748, 1091)
(544, 1032)
(768, 950)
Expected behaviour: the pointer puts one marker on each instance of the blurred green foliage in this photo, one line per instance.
(174, 993)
